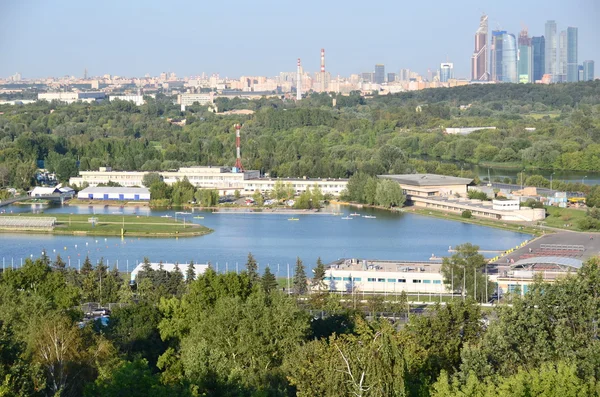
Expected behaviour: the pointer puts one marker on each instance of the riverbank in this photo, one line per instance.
(498, 224)
(112, 225)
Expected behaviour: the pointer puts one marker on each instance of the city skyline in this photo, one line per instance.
(162, 38)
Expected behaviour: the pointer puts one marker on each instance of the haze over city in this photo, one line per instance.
(234, 38)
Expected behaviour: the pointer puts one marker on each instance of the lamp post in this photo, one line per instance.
(551, 180)
(522, 179)
(582, 180)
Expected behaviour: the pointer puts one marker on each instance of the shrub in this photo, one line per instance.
(466, 214)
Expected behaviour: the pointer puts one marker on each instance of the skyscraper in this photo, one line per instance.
(588, 70)
(479, 59)
(572, 65)
(504, 57)
(404, 75)
(391, 77)
(539, 57)
(562, 57)
(446, 72)
(525, 62)
(551, 46)
(379, 76)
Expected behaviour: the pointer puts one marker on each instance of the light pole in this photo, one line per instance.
(582, 180)
(522, 179)
(551, 180)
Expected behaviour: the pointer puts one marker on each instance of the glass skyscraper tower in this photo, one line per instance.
(551, 47)
(504, 57)
(538, 45)
(572, 66)
(525, 62)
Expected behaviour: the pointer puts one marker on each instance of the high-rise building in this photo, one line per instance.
(562, 57)
(551, 47)
(367, 77)
(572, 65)
(479, 59)
(525, 58)
(379, 76)
(588, 70)
(446, 72)
(539, 57)
(580, 72)
(404, 75)
(504, 57)
(391, 77)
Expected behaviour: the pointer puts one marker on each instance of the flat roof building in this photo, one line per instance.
(223, 179)
(114, 193)
(70, 97)
(381, 276)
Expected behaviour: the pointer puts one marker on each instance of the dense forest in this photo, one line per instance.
(240, 335)
(321, 136)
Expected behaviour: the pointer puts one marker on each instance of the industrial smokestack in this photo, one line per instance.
(299, 83)
(322, 69)
(238, 160)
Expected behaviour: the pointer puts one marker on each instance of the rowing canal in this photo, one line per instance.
(272, 239)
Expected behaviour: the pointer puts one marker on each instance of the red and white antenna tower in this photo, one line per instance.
(238, 160)
(322, 69)
(299, 82)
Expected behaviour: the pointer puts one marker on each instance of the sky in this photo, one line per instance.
(41, 38)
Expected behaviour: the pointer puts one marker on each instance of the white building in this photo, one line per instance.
(138, 100)
(368, 276)
(169, 267)
(39, 191)
(223, 179)
(70, 97)
(114, 193)
(327, 186)
(187, 99)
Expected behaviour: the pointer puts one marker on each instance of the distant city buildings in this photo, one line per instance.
(446, 72)
(379, 75)
(525, 58)
(551, 48)
(504, 57)
(588, 70)
(572, 65)
(479, 60)
(539, 57)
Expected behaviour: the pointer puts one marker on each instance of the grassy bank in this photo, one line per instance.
(477, 221)
(564, 218)
(111, 225)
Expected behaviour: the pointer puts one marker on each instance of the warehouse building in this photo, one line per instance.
(114, 193)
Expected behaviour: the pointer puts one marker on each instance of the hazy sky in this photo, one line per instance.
(264, 37)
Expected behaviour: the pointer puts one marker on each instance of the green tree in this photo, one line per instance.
(300, 280)
(190, 274)
(268, 281)
(151, 178)
(464, 271)
(258, 198)
(592, 199)
(389, 194)
(252, 269)
(318, 280)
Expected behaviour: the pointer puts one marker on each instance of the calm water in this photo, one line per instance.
(271, 238)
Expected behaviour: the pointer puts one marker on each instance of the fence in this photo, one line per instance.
(26, 223)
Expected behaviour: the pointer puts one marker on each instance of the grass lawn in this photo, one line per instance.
(559, 217)
(133, 225)
(477, 221)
